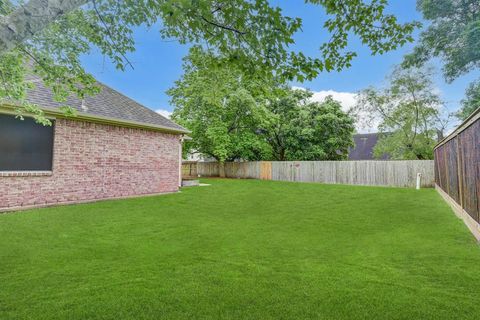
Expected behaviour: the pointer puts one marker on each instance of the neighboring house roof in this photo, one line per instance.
(363, 149)
(109, 103)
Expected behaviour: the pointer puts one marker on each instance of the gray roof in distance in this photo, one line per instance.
(108, 103)
(363, 149)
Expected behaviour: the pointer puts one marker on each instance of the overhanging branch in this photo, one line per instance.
(31, 18)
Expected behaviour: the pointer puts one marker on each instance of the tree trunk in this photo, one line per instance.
(31, 18)
(439, 135)
(282, 154)
(221, 169)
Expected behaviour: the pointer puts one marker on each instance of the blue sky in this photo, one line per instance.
(157, 63)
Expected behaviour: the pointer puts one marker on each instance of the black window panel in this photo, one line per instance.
(25, 145)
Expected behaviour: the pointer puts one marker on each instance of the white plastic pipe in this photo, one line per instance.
(419, 178)
(180, 158)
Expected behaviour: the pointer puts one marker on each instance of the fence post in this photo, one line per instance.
(365, 172)
(221, 169)
(459, 170)
(447, 175)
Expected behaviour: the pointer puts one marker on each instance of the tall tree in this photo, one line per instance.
(234, 115)
(410, 114)
(220, 105)
(298, 129)
(49, 36)
(471, 101)
(453, 35)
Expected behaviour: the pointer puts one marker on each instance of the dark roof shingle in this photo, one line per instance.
(363, 149)
(108, 103)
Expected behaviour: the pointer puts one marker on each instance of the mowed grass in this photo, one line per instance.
(243, 249)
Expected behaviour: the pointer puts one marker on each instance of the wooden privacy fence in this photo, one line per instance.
(244, 170)
(378, 173)
(457, 170)
(189, 169)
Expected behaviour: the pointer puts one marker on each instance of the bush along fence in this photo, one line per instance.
(374, 173)
(457, 171)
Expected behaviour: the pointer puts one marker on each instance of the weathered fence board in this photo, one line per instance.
(208, 169)
(380, 173)
(189, 169)
(457, 166)
(243, 170)
(265, 170)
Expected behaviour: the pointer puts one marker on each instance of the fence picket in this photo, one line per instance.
(381, 173)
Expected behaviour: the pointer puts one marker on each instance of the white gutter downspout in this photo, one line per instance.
(180, 161)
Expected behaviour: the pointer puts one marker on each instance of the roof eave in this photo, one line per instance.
(55, 113)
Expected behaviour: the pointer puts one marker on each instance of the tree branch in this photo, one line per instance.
(221, 26)
(31, 18)
(107, 30)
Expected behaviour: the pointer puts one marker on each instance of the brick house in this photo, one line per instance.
(113, 148)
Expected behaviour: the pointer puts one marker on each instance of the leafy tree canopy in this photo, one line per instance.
(453, 35)
(471, 101)
(297, 129)
(234, 115)
(222, 107)
(410, 114)
(48, 37)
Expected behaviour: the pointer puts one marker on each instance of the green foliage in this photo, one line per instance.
(301, 130)
(399, 146)
(471, 101)
(234, 115)
(368, 20)
(410, 114)
(219, 104)
(453, 35)
(252, 34)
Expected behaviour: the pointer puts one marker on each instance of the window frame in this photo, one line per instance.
(33, 172)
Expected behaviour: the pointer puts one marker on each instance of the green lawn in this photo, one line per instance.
(243, 249)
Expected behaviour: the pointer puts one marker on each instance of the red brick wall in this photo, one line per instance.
(96, 161)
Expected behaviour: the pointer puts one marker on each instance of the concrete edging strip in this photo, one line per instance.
(472, 225)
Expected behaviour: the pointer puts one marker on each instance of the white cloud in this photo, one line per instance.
(167, 114)
(347, 100)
